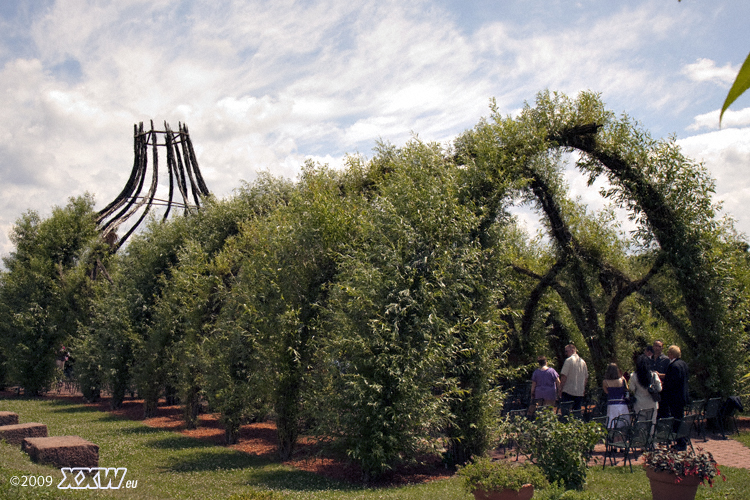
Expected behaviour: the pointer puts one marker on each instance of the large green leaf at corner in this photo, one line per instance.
(740, 85)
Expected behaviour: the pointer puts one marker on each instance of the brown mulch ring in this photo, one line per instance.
(260, 439)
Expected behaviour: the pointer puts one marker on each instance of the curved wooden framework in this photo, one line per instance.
(184, 173)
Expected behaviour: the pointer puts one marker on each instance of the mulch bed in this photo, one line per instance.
(260, 439)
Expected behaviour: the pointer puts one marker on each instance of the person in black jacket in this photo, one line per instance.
(674, 393)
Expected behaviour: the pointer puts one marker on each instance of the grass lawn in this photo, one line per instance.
(169, 465)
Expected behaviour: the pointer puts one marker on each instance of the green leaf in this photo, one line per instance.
(740, 85)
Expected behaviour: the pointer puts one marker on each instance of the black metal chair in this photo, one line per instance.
(729, 409)
(712, 413)
(696, 408)
(600, 406)
(639, 440)
(645, 414)
(587, 408)
(522, 393)
(564, 408)
(510, 442)
(684, 431)
(663, 432)
(618, 438)
(601, 420)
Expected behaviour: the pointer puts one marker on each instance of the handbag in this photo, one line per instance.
(652, 390)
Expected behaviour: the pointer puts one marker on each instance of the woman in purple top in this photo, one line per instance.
(544, 382)
(615, 387)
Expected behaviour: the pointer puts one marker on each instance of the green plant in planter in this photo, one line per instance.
(683, 464)
(560, 449)
(486, 474)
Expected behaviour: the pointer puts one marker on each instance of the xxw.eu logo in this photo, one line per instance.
(94, 478)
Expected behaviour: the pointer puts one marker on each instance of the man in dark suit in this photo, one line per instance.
(674, 393)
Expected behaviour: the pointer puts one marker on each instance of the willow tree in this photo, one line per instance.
(666, 194)
(284, 264)
(413, 342)
(45, 290)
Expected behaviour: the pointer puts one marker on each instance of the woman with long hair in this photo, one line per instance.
(640, 381)
(615, 387)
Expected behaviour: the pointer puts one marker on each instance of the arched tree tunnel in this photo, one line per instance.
(669, 197)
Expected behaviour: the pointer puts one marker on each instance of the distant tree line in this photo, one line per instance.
(383, 305)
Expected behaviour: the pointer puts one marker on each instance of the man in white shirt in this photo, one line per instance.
(573, 378)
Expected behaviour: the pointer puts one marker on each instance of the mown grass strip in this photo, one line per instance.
(169, 465)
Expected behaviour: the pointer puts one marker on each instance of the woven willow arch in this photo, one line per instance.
(183, 170)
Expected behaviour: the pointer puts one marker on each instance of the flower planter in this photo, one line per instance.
(664, 486)
(525, 493)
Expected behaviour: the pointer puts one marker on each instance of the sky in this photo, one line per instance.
(266, 85)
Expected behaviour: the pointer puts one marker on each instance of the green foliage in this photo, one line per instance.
(380, 307)
(285, 262)
(169, 465)
(740, 85)
(561, 449)
(412, 336)
(674, 270)
(486, 474)
(148, 325)
(43, 294)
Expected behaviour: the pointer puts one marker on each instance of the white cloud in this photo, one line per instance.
(265, 85)
(726, 154)
(731, 118)
(705, 70)
(595, 53)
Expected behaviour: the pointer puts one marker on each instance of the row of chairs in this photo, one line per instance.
(564, 409)
(715, 412)
(632, 433)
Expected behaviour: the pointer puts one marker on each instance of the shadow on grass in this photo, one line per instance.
(298, 480)
(61, 406)
(140, 429)
(109, 417)
(211, 458)
(262, 471)
(172, 442)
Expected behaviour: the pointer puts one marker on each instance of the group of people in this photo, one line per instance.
(659, 381)
(569, 385)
